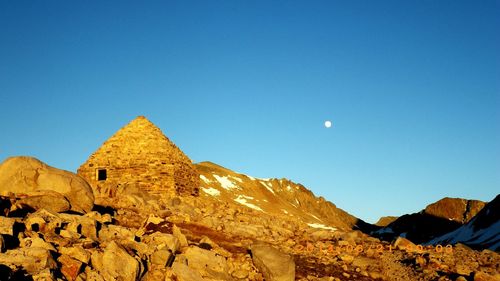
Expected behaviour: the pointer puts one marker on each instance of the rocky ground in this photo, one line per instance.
(136, 236)
(54, 226)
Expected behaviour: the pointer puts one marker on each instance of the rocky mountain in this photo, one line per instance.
(436, 219)
(136, 235)
(385, 221)
(278, 197)
(482, 231)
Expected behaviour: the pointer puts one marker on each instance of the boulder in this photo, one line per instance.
(36, 242)
(70, 267)
(116, 264)
(112, 232)
(207, 263)
(7, 225)
(162, 240)
(481, 276)
(273, 264)
(81, 225)
(161, 257)
(404, 244)
(77, 252)
(184, 273)
(32, 259)
(46, 199)
(181, 237)
(29, 176)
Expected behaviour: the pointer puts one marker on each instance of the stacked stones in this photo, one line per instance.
(140, 154)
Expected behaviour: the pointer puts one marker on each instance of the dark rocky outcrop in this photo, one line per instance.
(435, 220)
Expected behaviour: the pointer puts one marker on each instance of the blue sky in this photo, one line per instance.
(412, 88)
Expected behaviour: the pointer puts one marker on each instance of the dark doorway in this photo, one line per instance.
(101, 175)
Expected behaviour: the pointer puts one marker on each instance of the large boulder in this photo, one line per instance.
(32, 259)
(273, 264)
(116, 264)
(30, 177)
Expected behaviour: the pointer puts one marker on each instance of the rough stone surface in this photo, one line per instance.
(274, 265)
(7, 225)
(32, 259)
(70, 267)
(24, 176)
(184, 273)
(49, 200)
(141, 155)
(115, 263)
(457, 209)
(403, 244)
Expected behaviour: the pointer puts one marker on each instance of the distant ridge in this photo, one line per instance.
(281, 197)
(482, 231)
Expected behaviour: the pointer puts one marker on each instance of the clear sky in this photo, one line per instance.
(412, 89)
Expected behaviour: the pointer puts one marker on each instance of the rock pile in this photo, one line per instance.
(187, 238)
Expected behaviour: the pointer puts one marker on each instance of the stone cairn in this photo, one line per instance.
(140, 155)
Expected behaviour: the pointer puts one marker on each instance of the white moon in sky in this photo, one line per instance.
(328, 124)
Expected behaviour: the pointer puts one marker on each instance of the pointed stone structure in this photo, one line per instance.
(140, 154)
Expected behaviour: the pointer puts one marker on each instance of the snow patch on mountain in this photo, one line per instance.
(236, 179)
(242, 199)
(205, 179)
(211, 191)
(315, 217)
(466, 234)
(268, 186)
(384, 230)
(225, 182)
(321, 226)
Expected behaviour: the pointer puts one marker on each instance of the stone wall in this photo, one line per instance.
(139, 154)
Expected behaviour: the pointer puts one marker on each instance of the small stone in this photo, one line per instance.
(480, 276)
(184, 273)
(70, 267)
(463, 270)
(404, 244)
(7, 225)
(346, 258)
(2, 244)
(161, 257)
(421, 261)
(240, 274)
(181, 237)
(76, 252)
(375, 275)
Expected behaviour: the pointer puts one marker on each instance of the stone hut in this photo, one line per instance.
(140, 154)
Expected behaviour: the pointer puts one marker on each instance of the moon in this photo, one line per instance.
(328, 124)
